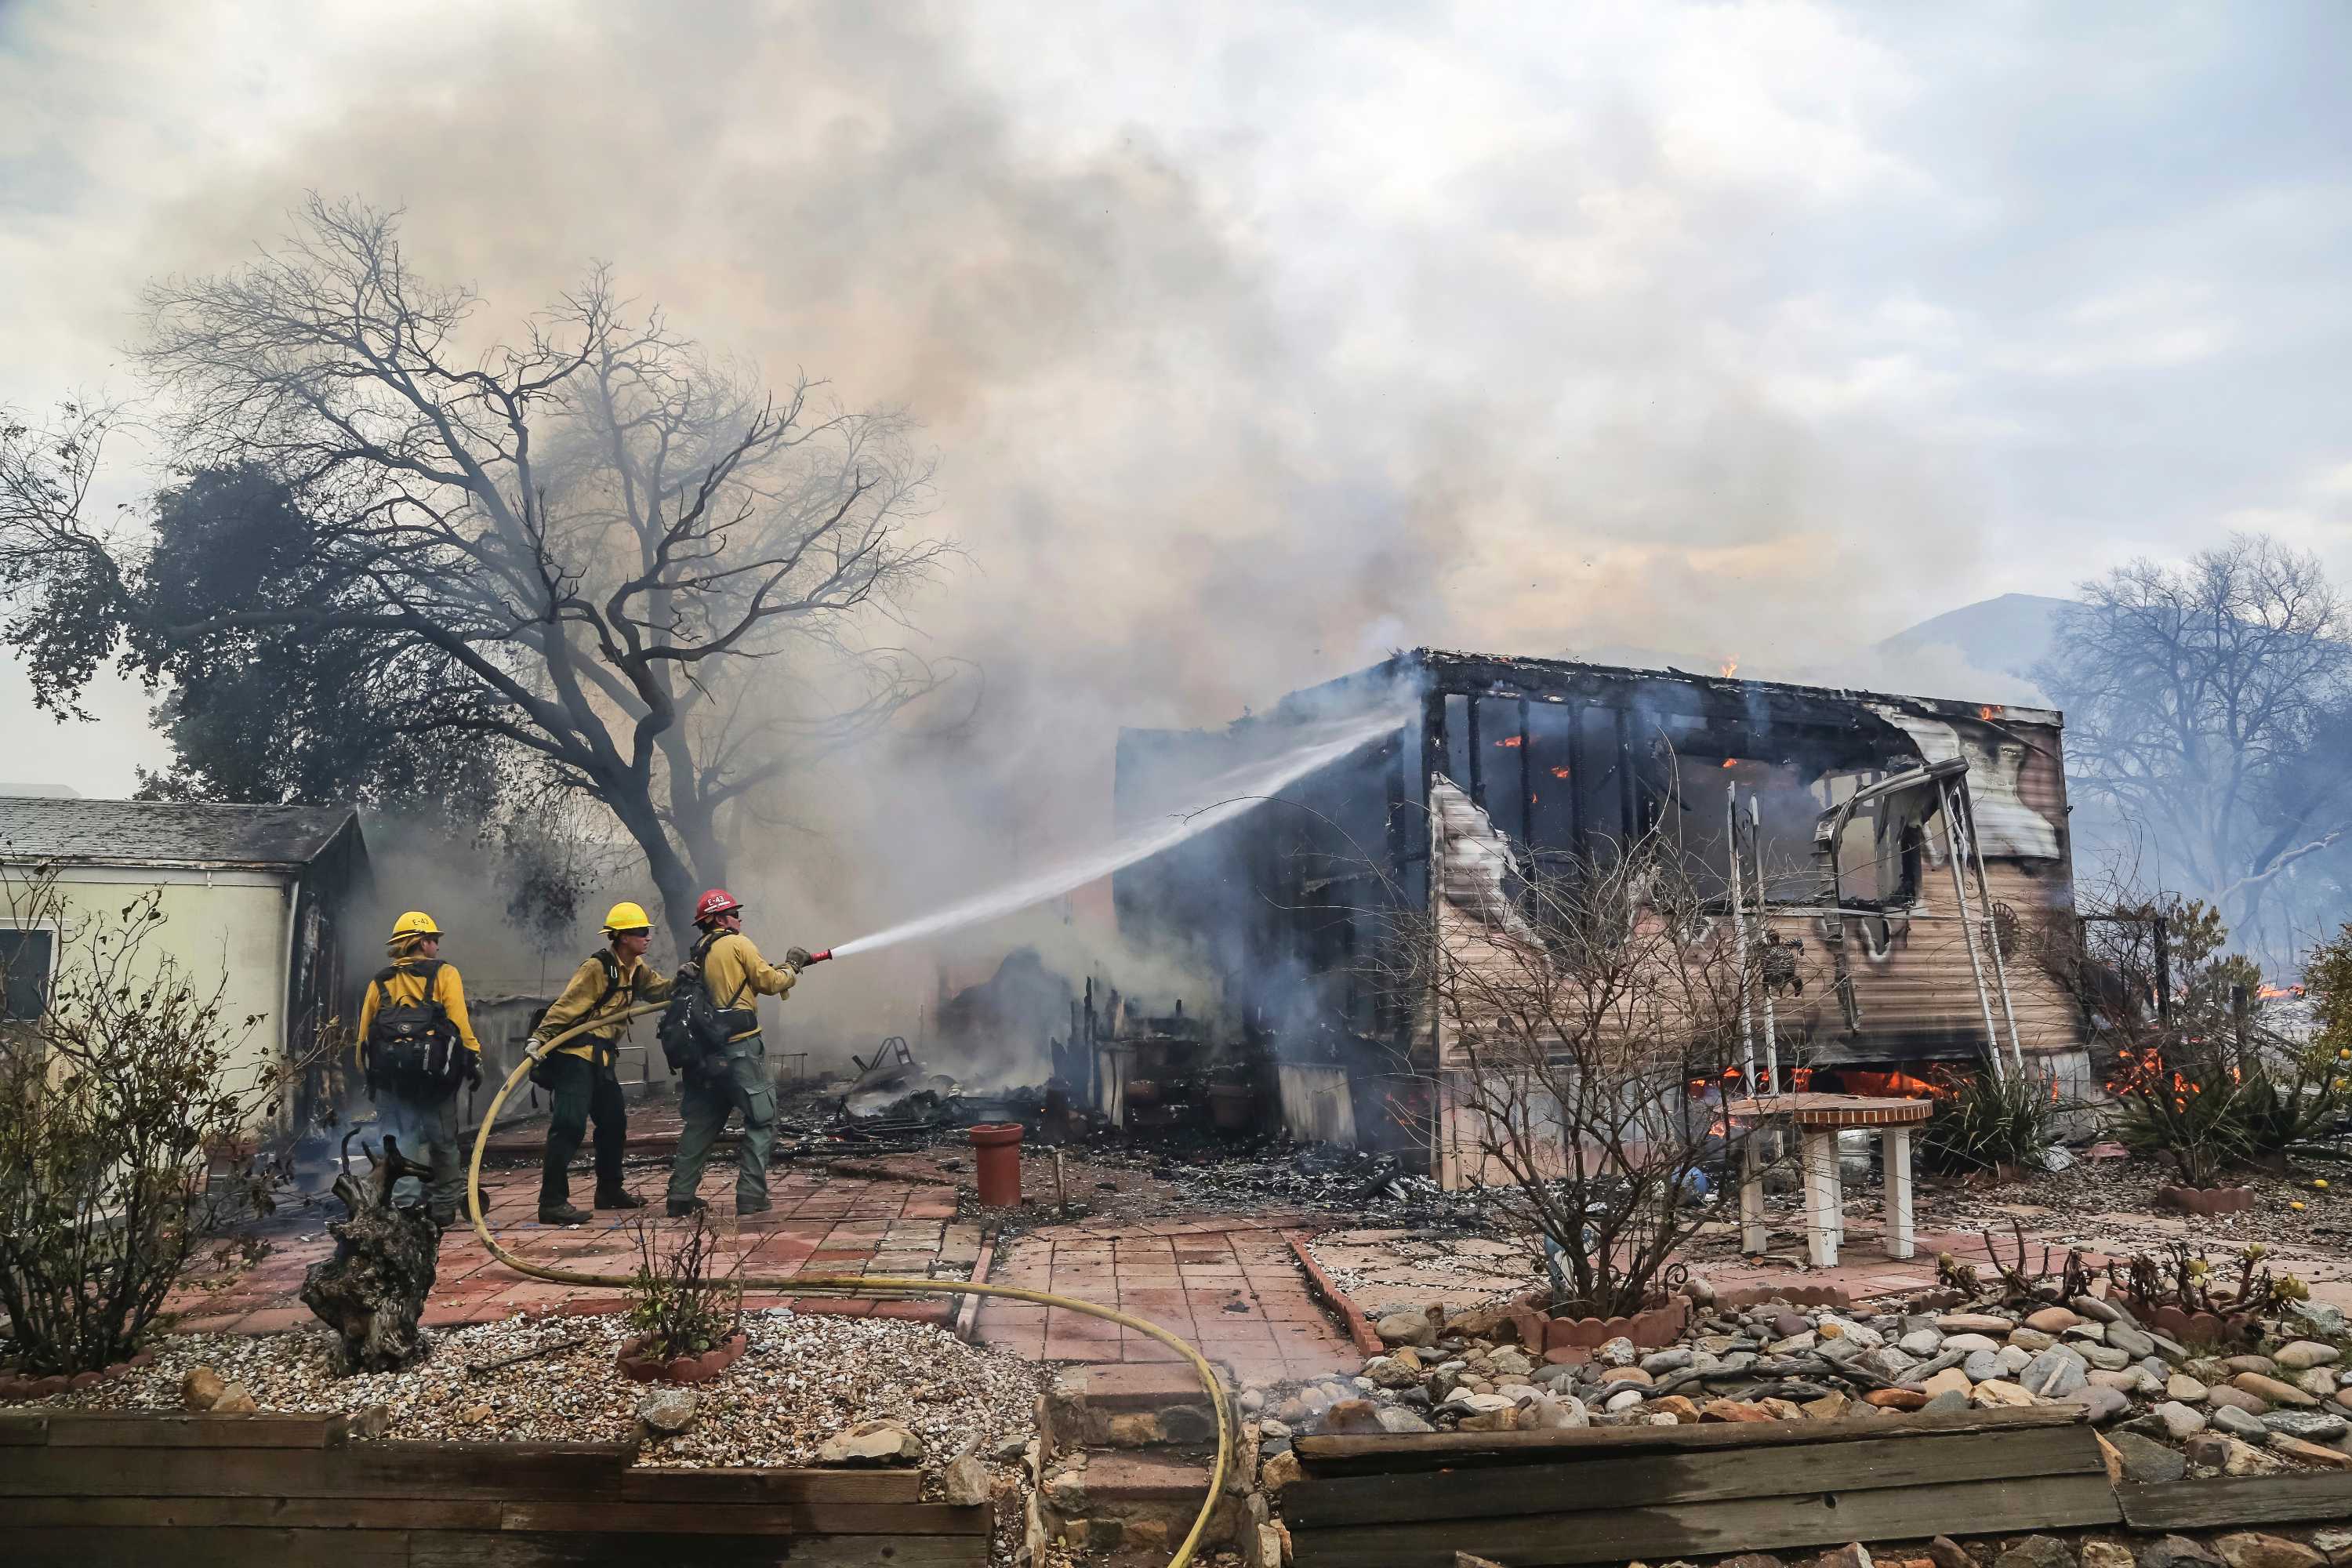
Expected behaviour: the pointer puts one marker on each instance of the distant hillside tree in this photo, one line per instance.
(2209, 706)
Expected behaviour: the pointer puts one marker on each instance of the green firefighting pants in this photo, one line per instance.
(706, 1098)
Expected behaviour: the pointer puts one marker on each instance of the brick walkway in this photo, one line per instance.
(1231, 1286)
(822, 1224)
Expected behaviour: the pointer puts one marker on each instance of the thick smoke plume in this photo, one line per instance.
(1182, 485)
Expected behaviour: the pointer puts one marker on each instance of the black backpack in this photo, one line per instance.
(413, 1044)
(539, 1069)
(694, 1029)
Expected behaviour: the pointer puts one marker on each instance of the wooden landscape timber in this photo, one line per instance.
(2236, 1499)
(1618, 1494)
(191, 1491)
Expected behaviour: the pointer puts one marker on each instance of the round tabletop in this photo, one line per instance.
(1837, 1110)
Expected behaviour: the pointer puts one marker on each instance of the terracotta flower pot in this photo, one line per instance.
(642, 1368)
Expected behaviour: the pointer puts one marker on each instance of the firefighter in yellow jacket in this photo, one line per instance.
(736, 1077)
(579, 1076)
(415, 1046)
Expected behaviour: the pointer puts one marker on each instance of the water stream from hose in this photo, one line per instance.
(1212, 802)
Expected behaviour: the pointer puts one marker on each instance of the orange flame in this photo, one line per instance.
(1897, 1084)
(1559, 773)
(1988, 712)
(1731, 762)
(1512, 741)
(2274, 992)
(1728, 667)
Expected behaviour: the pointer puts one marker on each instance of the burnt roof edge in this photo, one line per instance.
(1437, 660)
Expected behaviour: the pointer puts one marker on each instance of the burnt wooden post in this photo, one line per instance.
(372, 1292)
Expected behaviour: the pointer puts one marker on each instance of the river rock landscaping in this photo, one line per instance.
(2170, 1409)
(803, 1381)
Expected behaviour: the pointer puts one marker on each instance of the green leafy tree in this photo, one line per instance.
(260, 710)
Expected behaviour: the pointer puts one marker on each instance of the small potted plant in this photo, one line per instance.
(688, 1325)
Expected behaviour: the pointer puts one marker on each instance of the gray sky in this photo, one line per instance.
(1256, 339)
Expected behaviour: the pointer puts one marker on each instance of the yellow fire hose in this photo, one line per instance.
(849, 1284)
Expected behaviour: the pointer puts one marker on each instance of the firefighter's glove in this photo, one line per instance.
(797, 957)
(473, 1069)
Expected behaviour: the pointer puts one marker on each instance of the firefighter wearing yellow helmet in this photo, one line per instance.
(581, 1077)
(415, 1046)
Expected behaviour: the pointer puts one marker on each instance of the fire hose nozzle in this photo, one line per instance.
(819, 957)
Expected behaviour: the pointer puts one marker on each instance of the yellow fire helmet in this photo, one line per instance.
(415, 922)
(625, 917)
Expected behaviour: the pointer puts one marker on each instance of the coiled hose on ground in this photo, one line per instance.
(846, 1284)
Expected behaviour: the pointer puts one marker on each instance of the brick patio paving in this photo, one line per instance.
(1231, 1286)
(821, 1224)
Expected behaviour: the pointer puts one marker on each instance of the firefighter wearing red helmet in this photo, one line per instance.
(736, 976)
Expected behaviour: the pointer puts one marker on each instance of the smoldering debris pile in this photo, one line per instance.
(1192, 1167)
(1218, 1177)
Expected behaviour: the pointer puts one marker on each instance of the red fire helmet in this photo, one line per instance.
(714, 902)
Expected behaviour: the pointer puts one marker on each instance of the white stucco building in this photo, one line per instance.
(252, 894)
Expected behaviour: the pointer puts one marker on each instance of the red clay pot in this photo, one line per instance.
(996, 1153)
(680, 1369)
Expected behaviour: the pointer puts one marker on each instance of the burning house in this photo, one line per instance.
(1893, 858)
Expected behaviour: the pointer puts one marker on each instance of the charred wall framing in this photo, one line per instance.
(1610, 741)
(1570, 761)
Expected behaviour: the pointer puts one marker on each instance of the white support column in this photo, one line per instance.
(1753, 1234)
(1821, 1199)
(1894, 1154)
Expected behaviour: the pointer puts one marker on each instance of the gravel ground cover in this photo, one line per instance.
(2103, 1190)
(803, 1379)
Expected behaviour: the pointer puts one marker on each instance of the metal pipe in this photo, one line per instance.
(1764, 924)
(1992, 924)
(1739, 941)
(1968, 925)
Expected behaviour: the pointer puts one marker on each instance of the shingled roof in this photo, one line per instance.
(166, 833)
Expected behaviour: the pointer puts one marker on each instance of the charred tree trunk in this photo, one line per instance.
(372, 1290)
(673, 879)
